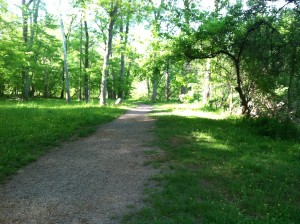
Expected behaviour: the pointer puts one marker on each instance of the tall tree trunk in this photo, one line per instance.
(28, 44)
(105, 72)
(231, 99)
(105, 69)
(46, 84)
(124, 41)
(206, 89)
(33, 33)
(298, 97)
(148, 88)
(186, 71)
(86, 62)
(2, 87)
(33, 30)
(187, 15)
(111, 86)
(239, 89)
(80, 62)
(154, 90)
(291, 82)
(183, 89)
(154, 81)
(62, 91)
(297, 114)
(127, 83)
(25, 70)
(66, 71)
(168, 80)
(122, 61)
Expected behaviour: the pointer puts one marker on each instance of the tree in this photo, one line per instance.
(66, 68)
(124, 41)
(112, 10)
(86, 61)
(28, 44)
(224, 35)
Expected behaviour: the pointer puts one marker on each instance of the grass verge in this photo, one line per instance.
(27, 129)
(221, 172)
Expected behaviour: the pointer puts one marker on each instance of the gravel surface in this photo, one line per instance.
(90, 180)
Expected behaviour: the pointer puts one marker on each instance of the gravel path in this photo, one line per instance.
(91, 180)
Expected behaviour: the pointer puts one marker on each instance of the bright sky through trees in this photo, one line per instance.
(156, 41)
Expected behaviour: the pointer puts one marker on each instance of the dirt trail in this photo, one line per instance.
(91, 180)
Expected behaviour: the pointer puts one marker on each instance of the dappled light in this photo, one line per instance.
(231, 167)
(219, 81)
(226, 57)
(188, 110)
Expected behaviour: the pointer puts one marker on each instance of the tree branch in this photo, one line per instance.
(28, 3)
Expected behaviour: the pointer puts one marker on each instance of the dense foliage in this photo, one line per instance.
(241, 56)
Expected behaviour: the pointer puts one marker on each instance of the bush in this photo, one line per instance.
(273, 128)
(209, 108)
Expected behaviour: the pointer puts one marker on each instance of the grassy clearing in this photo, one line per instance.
(221, 171)
(27, 129)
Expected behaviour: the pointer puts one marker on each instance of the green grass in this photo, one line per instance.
(27, 129)
(221, 171)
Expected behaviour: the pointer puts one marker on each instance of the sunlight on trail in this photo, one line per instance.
(188, 110)
(192, 113)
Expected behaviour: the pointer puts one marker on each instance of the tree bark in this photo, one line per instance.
(80, 62)
(238, 88)
(154, 81)
(33, 30)
(168, 80)
(25, 70)
(2, 87)
(186, 71)
(127, 83)
(86, 62)
(124, 41)
(154, 90)
(187, 15)
(105, 69)
(236, 61)
(297, 114)
(291, 80)
(148, 88)
(231, 100)
(46, 84)
(66, 71)
(206, 89)
(28, 44)
(62, 91)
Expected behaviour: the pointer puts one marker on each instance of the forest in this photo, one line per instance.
(238, 56)
(210, 100)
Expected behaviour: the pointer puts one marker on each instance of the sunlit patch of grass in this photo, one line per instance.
(187, 110)
(221, 172)
(27, 129)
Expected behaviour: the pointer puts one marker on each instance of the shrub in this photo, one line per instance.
(274, 128)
